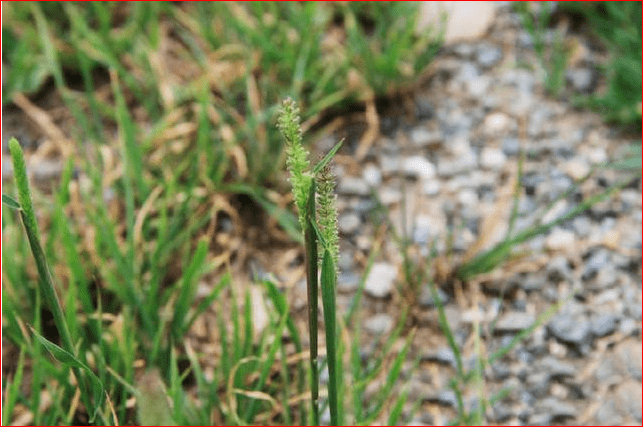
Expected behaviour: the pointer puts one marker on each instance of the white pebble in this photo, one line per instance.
(492, 158)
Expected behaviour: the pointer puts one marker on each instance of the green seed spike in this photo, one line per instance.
(327, 211)
(297, 157)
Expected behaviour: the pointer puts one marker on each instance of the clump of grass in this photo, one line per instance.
(552, 56)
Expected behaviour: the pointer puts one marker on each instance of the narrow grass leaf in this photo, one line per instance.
(70, 360)
(328, 284)
(12, 389)
(10, 202)
(327, 158)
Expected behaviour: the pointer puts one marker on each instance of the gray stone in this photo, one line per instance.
(478, 86)
(431, 187)
(461, 164)
(607, 277)
(558, 270)
(492, 158)
(443, 355)
(627, 326)
(419, 167)
(426, 297)
(347, 281)
(514, 322)
(582, 225)
(379, 324)
(349, 223)
(422, 137)
(628, 398)
(350, 186)
(557, 409)
(464, 51)
(422, 229)
(533, 282)
(511, 146)
(575, 330)
(604, 324)
(488, 56)
(557, 369)
(607, 414)
(389, 196)
(538, 384)
(424, 108)
(46, 169)
(381, 279)
(467, 72)
(628, 356)
(447, 398)
(372, 175)
(581, 79)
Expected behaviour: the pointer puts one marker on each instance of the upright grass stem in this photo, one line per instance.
(47, 288)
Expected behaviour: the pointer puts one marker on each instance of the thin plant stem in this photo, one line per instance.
(46, 282)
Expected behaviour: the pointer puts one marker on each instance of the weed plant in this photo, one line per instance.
(617, 27)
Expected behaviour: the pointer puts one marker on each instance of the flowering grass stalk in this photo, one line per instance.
(308, 188)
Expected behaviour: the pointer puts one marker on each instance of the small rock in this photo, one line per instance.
(596, 262)
(443, 355)
(46, 170)
(372, 175)
(576, 168)
(426, 297)
(557, 369)
(604, 324)
(628, 356)
(349, 223)
(496, 123)
(488, 56)
(575, 330)
(627, 326)
(582, 225)
(511, 146)
(422, 229)
(431, 187)
(347, 281)
(560, 239)
(462, 164)
(538, 384)
(597, 155)
(607, 414)
(381, 279)
(468, 197)
(492, 158)
(350, 186)
(514, 322)
(557, 409)
(558, 270)
(424, 108)
(581, 79)
(389, 196)
(379, 324)
(628, 398)
(419, 167)
(478, 86)
(421, 137)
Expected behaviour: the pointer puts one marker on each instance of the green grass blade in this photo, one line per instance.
(12, 388)
(69, 359)
(328, 284)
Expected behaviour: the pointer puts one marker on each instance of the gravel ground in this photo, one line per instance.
(452, 166)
